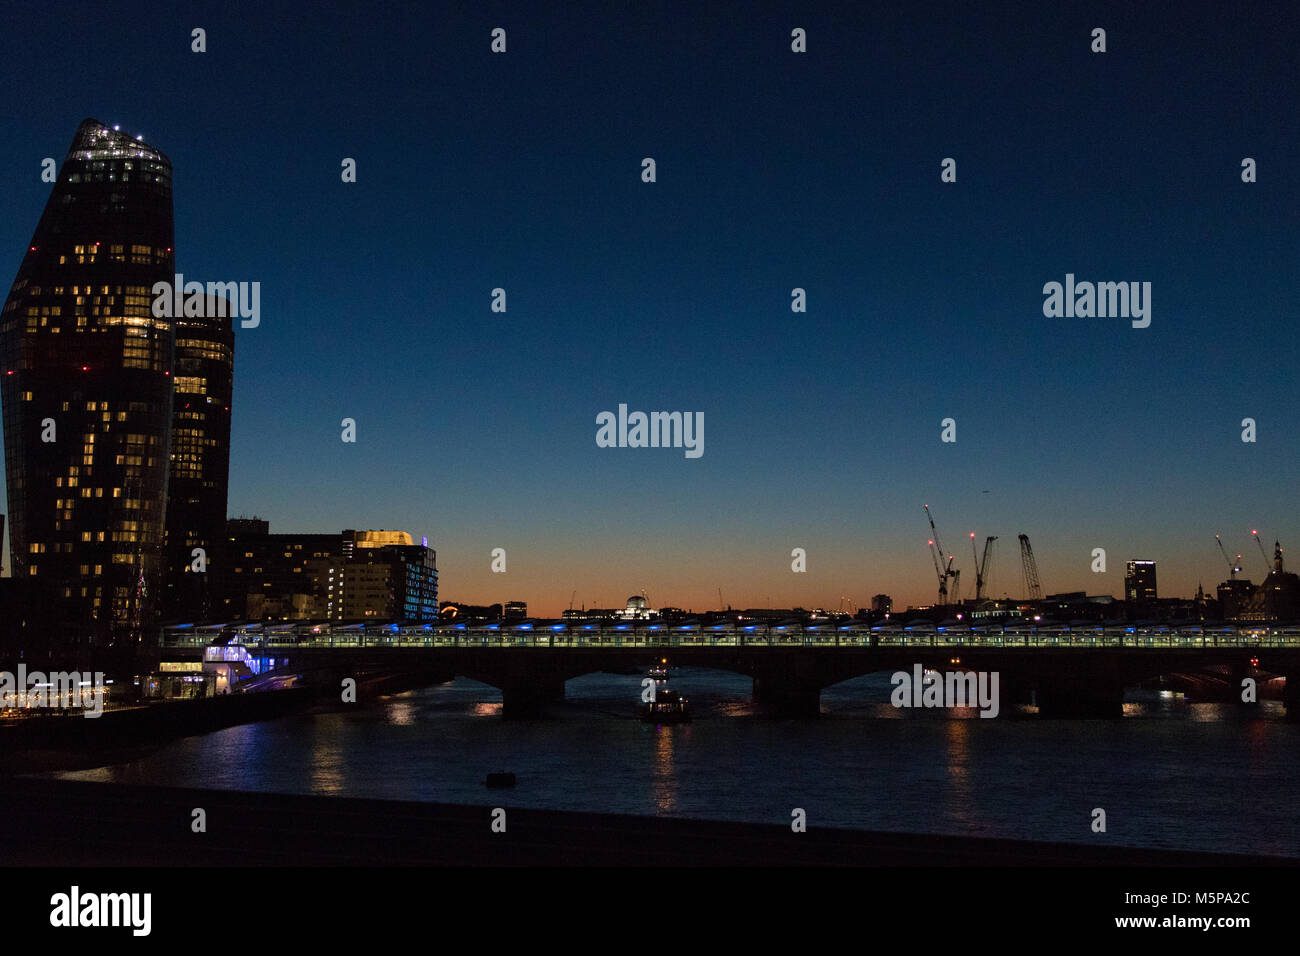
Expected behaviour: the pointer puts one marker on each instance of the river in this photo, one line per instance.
(1171, 773)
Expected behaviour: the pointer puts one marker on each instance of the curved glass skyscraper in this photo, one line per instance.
(86, 385)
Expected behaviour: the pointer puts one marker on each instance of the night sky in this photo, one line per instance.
(775, 170)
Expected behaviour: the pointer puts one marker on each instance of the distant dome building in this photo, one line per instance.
(637, 609)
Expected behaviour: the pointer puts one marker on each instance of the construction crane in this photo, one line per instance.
(981, 567)
(1268, 565)
(984, 564)
(943, 578)
(1232, 570)
(1030, 566)
(947, 571)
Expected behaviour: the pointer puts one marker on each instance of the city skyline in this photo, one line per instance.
(924, 298)
(849, 603)
(649, 435)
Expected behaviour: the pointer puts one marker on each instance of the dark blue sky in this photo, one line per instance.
(775, 170)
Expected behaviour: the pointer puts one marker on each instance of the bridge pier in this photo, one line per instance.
(1234, 690)
(1080, 697)
(528, 698)
(784, 697)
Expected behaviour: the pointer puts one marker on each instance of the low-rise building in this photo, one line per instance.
(348, 576)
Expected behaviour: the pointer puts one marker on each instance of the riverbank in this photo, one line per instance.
(51, 822)
(61, 742)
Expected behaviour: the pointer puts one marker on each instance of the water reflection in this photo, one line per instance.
(400, 713)
(957, 743)
(327, 770)
(663, 780)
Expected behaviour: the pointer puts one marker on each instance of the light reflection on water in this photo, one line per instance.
(960, 804)
(401, 711)
(665, 784)
(1171, 774)
(327, 764)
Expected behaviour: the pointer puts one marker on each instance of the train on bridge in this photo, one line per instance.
(1067, 670)
(553, 634)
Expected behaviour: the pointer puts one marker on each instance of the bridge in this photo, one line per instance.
(1069, 670)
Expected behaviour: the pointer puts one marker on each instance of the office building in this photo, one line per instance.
(86, 388)
(1140, 582)
(200, 464)
(346, 576)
